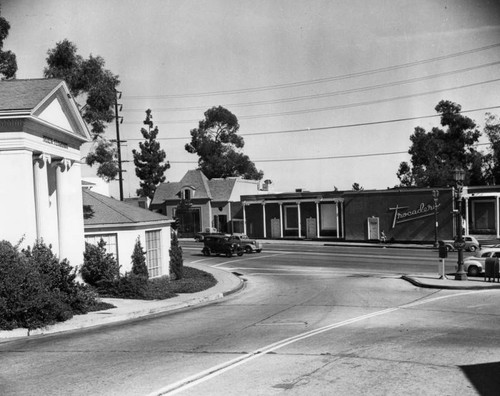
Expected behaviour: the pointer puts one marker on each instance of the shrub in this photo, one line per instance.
(194, 281)
(128, 286)
(37, 290)
(99, 268)
(24, 302)
(176, 260)
(139, 266)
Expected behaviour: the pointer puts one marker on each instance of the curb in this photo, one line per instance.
(448, 287)
(100, 318)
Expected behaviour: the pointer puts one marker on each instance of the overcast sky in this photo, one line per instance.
(317, 86)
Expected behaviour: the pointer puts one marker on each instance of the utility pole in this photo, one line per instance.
(118, 121)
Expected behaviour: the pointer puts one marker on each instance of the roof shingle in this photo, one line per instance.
(25, 94)
(105, 210)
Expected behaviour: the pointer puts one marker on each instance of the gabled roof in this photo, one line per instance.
(221, 189)
(104, 211)
(198, 181)
(216, 190)
(47, 102)
(25, 94)
(193, 179)
(165, 192)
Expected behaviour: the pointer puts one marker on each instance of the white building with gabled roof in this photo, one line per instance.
(41, 132)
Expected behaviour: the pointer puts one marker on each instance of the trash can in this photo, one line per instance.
(491, 270)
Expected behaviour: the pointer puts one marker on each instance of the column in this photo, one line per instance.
(64, 207)
(264, 219)
(244, 218)
(281, 219)
(42, 204)
(342, 218)
(497, 211)
(337, 217)
(300, 222)
(317, 219)
(466, 216)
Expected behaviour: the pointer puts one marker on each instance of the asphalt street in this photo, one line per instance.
(322, 321)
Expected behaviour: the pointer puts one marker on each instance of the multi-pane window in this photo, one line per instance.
(153, 253)
(111, 243)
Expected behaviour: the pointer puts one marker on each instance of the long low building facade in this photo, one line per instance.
(418, 215)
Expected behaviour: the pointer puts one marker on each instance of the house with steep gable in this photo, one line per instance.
(41, 132)
(207, 202)
(119, 224)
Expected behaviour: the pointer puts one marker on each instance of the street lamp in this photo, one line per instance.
(435, 196)
(459, 243)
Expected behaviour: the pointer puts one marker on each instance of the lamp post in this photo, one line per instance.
(435, 196)
(459, 242)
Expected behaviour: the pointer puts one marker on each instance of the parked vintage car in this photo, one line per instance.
(221, 244)
(200, 236)
(474, 265)
(250, 245)
(471, 244)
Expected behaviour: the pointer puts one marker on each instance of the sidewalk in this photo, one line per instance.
(227, 283)
(434, 282)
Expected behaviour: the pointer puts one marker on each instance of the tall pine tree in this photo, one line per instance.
(149, 162)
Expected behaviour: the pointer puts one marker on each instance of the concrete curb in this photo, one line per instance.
(448, 284)
(227, 284)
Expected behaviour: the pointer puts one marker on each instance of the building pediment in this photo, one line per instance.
(43, 102)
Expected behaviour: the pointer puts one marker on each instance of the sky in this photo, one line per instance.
(327, 93)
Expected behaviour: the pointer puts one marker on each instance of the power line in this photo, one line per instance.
(328, 94)
(359, 124)
(324, 158)
(338, 107)
(317, 81)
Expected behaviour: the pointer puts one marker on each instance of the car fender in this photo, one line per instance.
(470, 262)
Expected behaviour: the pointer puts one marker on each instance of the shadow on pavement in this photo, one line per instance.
(484, 377)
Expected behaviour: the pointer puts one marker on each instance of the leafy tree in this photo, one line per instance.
(104, 154)
(8, 62)
(435, 154)
(218, 145)
(88, 80)
(139, 266)
(492, 159)
(149, 162)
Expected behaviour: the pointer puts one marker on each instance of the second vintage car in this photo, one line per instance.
(471, 244)
(250, 245)
(221, 244)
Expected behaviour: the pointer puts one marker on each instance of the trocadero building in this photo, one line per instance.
(41, 131)
(399, 214)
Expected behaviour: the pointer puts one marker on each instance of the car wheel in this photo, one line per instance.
(449, 248)
(473, 271)
(229, 254)
(248, 249)
(240, 253)
(206, 252)
(472, 248)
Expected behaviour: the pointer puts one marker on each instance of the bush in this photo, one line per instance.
(99, 268)
(176, 260)
(139, 266)
(37, 290)
(194, 281)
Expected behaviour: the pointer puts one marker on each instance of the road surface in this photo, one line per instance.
(314, 320)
